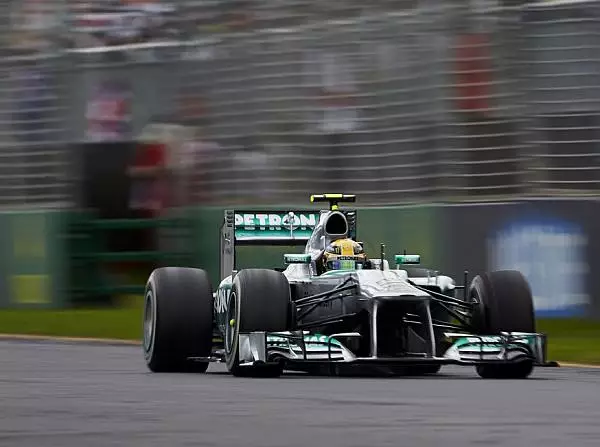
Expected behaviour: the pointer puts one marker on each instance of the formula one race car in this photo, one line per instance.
(334, 309)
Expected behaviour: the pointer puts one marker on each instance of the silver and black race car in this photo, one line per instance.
(337, 316)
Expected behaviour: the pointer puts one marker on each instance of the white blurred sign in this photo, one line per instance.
(336, 79)
(552, 256)
(108, 112)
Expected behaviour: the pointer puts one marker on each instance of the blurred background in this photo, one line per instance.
(469, 130)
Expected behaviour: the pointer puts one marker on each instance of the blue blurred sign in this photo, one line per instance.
(552, 256)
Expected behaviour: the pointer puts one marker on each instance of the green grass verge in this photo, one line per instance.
(575, 341)
(572, 340)
(120, 323)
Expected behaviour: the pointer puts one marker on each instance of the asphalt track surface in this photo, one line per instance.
(57, 394)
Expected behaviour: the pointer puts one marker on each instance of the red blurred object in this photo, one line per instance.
(149, 181)
(150, 155)
(474, 72)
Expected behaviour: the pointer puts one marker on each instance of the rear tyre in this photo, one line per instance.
(178, 321)
(260, 300)
(504, 303)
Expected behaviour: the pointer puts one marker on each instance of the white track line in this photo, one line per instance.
(112, 341)
(106, 341)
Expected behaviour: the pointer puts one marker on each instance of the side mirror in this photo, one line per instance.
(296, 258)
(407, 259)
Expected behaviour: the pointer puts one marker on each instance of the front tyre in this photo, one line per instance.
(504, 303)
(178, 321)
(519, 370)
(260, 301)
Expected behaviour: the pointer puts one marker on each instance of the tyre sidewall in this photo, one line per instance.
(151, 302)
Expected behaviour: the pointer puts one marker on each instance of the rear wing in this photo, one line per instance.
(259, 227)
(272, 227)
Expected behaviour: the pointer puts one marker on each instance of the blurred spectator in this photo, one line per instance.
(148, 186)
(253, 161)
(339, 112)
(474, 72)
(483, 126)
(198, 152)
(107, 23)
(169, 166)
(239, 15)
(108, 111)
(198, 155)
(33, 24)
(31, 84)
(338, 88)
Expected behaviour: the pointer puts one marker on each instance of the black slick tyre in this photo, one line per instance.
(503, 303)
(260, 300)
(178, 320)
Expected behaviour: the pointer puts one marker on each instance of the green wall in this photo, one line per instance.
(414, 229)
(33, 244)
(32, 259)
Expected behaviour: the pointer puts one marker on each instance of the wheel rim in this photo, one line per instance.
(477, 315)
(149, 317)
(231, 316)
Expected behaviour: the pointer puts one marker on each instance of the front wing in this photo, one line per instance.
(305, 351)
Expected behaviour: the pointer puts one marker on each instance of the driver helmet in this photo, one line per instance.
(344, 254)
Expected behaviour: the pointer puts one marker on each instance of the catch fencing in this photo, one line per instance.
(398, 102)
